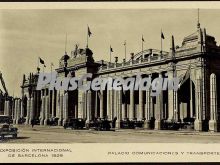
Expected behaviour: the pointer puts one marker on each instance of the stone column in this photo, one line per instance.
(141, 106)
(60, 111)
(46, 109)
(165, 111)
(119, 109)
(114, 103)
(57, 103)
(108, 104)
(191, 97)
(172, 101)
(53, 103)
(22, 109)
(18, 110)
(198, 121)
(42, 110)
(111, 105)
(213, 104)
(89, 107)
(131, 107)
(101, 104)
(37, 103)
(15, 111)
(81, 104)
(159, 108)
(28, 110)
(124, 113)
(6, 108)
(31, 110)
(65, 111)
(76, 105)
(147, 110)
(96, 104)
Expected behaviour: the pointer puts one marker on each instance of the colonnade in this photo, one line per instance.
(114, 104)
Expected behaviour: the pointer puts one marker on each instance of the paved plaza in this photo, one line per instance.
(47, 134)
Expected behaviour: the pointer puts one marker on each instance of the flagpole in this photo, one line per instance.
(125, 49)
(51, 68)
(191, 94)
(87, 45)
(38, 69)
(110, 54)
(65, 43)
(142, 46)
(161, 42)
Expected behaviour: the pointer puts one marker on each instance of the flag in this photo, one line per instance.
(124, 43)
(41, 61)
(89, 32)
(162, 36)
(76, 47)
(143, 39)
(111, 50)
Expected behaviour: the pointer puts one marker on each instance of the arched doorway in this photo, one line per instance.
(186, 102)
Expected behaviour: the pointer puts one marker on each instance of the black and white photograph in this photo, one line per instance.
(109, 75)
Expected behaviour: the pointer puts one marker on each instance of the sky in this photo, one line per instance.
(26, 35)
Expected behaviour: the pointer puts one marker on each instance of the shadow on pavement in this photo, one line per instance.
(22, 138)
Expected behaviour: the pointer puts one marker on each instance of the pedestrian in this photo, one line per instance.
(32, 123)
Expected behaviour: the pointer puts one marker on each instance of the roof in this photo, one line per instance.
(149, 52)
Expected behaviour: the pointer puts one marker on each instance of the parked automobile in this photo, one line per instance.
(170, 125)
(7, 129)
(74, 124)
(102, 125)
(53, 121)
(131, 124)
(127, 124)
(5, 119)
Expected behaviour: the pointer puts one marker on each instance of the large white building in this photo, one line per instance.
(195, 62)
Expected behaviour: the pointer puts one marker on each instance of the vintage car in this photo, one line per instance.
(7, 129)
(131, 124)
(171, 125)
(100, 124)
(53, 121)
(74, 124)
(5, 119)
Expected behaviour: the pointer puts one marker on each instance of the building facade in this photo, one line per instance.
(195, 62)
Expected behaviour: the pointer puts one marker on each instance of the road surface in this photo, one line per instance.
(47, 134)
